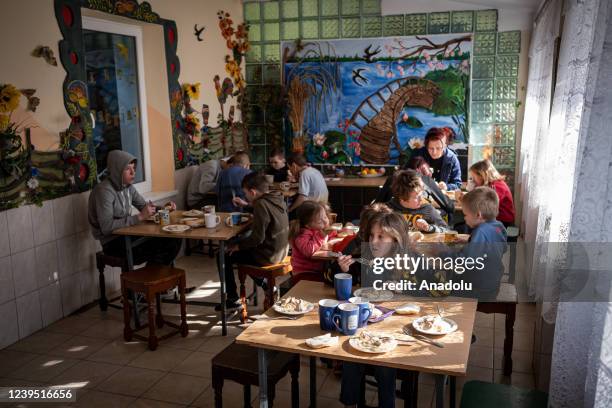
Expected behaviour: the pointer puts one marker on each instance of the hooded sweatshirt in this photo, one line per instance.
(203, 181)
(110, 202)
(270, 230)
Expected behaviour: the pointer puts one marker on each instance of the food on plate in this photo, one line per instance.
(374, 342)
(193, 222)
(374, 295)
(292, 304)
(376, 313)
(325, 340)
(193, 213)
(407, 309)
(175, 228)
(434, 324)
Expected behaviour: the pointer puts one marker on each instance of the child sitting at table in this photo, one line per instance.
(278, 166)
(387, 234)
(230, 181)
(307, 236)
(487, 241)
(483, 173)
(407, 188)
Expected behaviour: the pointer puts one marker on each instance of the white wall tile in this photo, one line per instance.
(80, 202)
(7, 289)
(86, 253)
(47, 269)
(51, 303)
(28, 314)
(90, 287)
(63, 216)
(9, 328)
(42, 222)
(20, 229)
(24, 272)
(67, 255)
(5, 247)
(71, 293)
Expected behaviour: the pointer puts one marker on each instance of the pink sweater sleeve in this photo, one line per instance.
(309, 241)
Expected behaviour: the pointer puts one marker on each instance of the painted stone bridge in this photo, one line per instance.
(376, 117)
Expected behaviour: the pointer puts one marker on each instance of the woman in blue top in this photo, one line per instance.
(443, 161)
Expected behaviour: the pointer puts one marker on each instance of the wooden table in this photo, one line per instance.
(293, 190)
(290, 336)
(361, 182)
(221, 233)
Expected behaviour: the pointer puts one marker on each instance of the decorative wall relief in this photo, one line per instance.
(373, 100)
(198, 32)
(46, 53)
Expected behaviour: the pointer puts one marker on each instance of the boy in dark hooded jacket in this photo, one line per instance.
(268, 242)
(110, 208)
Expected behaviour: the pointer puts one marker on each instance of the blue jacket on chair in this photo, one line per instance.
(450, 173)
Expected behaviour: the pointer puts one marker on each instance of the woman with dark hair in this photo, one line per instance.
(443, 161)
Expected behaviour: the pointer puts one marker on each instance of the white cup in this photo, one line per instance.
(211, 220)
(270, 178)
(208, 209)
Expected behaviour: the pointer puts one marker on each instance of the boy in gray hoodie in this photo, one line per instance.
(110, 208)
(268, 242)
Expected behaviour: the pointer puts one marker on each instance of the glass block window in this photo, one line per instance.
(350, 7)
(484, 43)
(415, 24)
(256, 135)
(290, 30)
(272, 53)
(504, 134)
(330, 28)
(351, 27)
(251, 11)
(271, 32)
(290, 9)
(310, 8)
(462, 21)
(505, 111)
(393, 25)
(505, 88)
(509, 42)
(371, 7)
(310, 29)
(482, 112)
(253, 74)
(483, 67)
(329, 7)
(254, 32)
(482, 90)
(270, 10)
(506, 65)
(372, 26)
(254, 53)
(486, 20)
(481, 134)
(271, 74)
(439, 23)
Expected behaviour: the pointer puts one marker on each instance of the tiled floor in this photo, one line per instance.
(87, 352)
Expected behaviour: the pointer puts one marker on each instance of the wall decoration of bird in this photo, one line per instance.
(358, 78)
(46, 53)
(33, 101)
(198, 31)
(368, 53)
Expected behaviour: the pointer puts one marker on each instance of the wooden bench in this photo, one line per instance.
(151, 281)
(506, 305)
(270, 272)
(238, 362)
(477, 394)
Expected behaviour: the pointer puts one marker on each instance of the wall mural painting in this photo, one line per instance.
(373, 100)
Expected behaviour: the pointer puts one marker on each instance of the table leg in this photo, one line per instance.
(313, 382)
(130, 264)
(440, 380)
(453, 390)
(221, 266)
(263, 378)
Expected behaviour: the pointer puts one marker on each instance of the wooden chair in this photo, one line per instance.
(476, 394)
(270, 272)
(151, 281)
(102, 260)
(505, 304)
(238, 362)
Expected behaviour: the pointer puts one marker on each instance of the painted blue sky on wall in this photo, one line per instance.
(375, 98)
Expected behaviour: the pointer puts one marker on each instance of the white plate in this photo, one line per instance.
(451, 326)
(356, 344)
(175, 228)
(374, 295)
(193, 213)
(278, 309)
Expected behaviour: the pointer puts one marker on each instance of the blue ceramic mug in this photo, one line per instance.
(343, 283)
(364, 309)
(327, 308)
(346, 318)
(236, 218)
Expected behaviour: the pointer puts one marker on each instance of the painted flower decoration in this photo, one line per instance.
(318, 139)
(4, 122)
(78, 96)
(415, 143)
(9, 98)
(192, 90)
(32, 184)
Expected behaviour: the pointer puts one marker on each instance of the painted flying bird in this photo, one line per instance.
(357, 76)
(368, 53)
(198, 31)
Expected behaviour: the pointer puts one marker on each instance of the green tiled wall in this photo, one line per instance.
(494, 67)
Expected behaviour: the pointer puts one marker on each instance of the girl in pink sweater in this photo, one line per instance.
(307, 237)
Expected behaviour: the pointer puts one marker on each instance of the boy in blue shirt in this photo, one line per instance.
(487, 242)
(229, 184)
